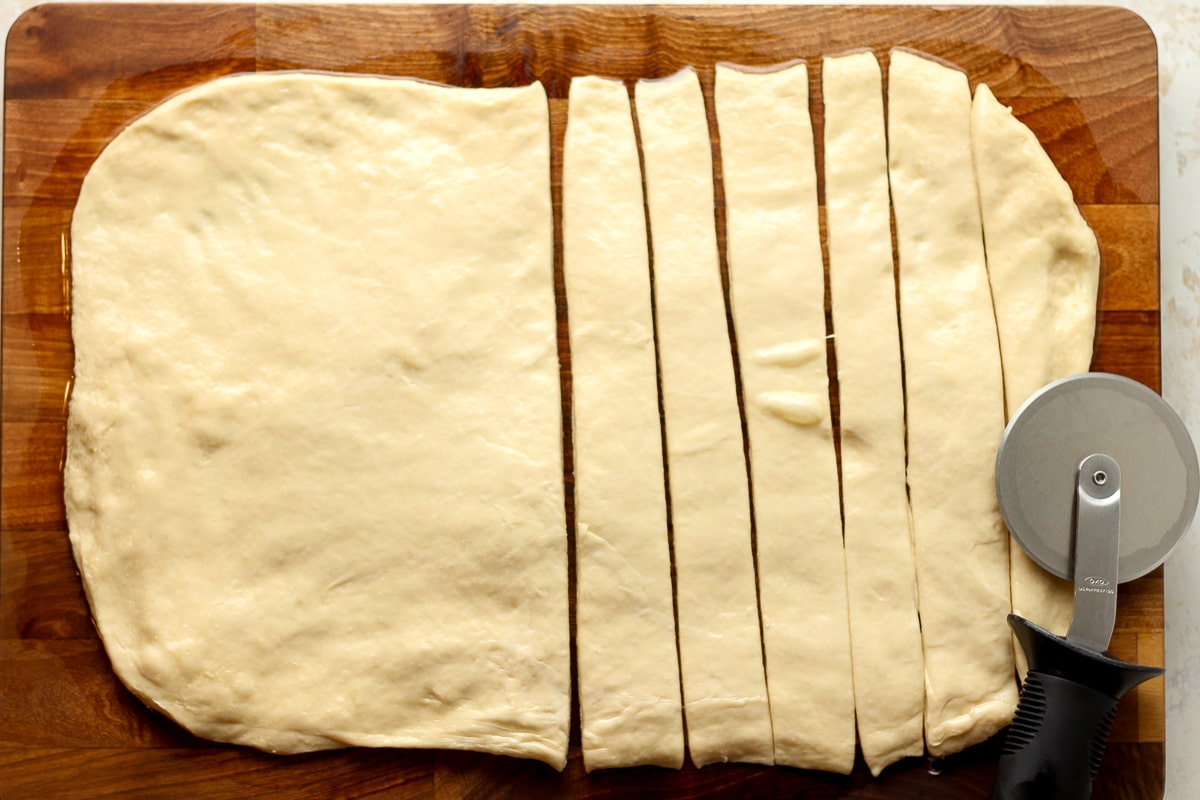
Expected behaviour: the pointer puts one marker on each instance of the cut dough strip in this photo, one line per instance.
(628, 669)
(1044, 267)
(955, 406)
(880, 571)
(720, 646)
(777, 288)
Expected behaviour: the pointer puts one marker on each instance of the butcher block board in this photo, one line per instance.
(1084, 79)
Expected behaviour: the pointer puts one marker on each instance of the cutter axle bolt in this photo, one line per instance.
(1100, 477)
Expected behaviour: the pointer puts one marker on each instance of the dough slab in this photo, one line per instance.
(313, 475)
(314, 479)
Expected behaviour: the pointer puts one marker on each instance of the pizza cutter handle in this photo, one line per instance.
(1058, 736)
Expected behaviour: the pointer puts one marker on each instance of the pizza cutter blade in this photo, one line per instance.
(1097, 480)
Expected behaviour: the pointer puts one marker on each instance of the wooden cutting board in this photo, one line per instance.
(1084, 79)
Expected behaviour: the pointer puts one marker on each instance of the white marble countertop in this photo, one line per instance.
(1176, 25)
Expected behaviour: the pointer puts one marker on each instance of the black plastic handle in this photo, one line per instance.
(1058, 736)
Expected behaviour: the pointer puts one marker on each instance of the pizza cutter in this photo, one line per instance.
(1097, 481)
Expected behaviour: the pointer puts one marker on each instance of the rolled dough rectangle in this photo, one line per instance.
(314, 457)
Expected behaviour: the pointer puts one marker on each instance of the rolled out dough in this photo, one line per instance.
(724, 685)
(777, 288)
(955, 406)
(1044, 268)
(889, 669)
(313, 478)
(628, 664)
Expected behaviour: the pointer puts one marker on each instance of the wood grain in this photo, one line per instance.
(1084, 79)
